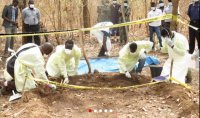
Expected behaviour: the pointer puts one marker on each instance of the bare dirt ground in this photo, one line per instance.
(164, 100)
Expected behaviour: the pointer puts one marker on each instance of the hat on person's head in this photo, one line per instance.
(31, 2)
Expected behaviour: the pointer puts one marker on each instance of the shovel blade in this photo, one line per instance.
(14, 97)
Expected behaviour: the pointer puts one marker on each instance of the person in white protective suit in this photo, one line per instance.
(102, 36)
(64, 61)
(130, 54)
(19, 65)
(176, 45)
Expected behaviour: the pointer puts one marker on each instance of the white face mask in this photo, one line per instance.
(68, 51)
(125, 4)
(45, 56)
(161, 4)
(170, 4)
(114, 2)
(31, 5)
(153, 8)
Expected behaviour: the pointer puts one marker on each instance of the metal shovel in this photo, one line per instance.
(14, 96)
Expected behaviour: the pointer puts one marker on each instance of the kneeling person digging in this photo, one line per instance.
(130, 54)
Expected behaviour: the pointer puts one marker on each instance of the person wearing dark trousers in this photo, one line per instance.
(31, 17)
(103, 48)
(10, 15)
(193, 13)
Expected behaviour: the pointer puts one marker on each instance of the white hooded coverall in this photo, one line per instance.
(178, 53)
(127, 61)
(32, 58)
(62, 64)
(99, 34)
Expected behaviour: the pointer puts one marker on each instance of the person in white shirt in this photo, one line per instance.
(155, 26)
(168, 10)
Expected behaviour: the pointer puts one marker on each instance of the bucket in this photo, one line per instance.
(1, 87)
(155, 71)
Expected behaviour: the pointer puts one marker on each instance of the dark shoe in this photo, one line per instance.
(4, 87)
(189, 77)
(101, 55)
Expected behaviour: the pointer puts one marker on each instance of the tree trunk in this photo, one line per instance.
(86, 15)
(175, 15)
(23, 29)
(123, 16)
(81, 34)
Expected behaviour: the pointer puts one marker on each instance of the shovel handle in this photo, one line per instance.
(13, 92)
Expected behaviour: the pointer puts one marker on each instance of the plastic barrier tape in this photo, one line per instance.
(188, 25)
(88, 29)
(116, 25)
(93, 88)
(185, 85)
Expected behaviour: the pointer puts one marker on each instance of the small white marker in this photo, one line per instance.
(105, 110)
(95, 110)
(111, 110)
(100, 110)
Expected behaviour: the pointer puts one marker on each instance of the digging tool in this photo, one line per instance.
(171, 69)
(14, 96)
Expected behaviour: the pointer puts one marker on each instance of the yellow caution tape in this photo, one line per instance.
(188, 25)
(88, 29)
(174, 17)
(167, 16)
(185, 85)
(93, 88)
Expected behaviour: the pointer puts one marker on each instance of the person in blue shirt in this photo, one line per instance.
(193, 13)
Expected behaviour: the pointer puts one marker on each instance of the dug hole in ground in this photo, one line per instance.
(153, 101)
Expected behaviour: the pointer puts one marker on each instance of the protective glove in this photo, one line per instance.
(66, 81)
(195, 55)
(142, 56)
(107, 54)
(53, 87)
(128, 75)
(76, 71)
(169, 42)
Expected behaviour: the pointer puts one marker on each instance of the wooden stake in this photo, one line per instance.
(81, 35)
(23, 89)
(172, 62)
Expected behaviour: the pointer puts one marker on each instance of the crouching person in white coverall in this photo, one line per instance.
(176, 45)
(64, 61)
(19, 64)
(102, 36)
(130, 54)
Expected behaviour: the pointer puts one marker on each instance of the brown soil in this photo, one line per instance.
(160, 100)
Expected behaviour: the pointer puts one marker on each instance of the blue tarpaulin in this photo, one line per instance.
(108, 65)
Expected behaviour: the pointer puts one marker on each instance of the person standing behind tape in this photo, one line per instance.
(103, 12)
(193, 13)
(10, 15)
(102, 36)
(132, 53)
(31, 18)
(64, 61)
(114, 16)
(168, 10)
(122, 30)
(19, 64)
(155, 26)
(162, 7)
